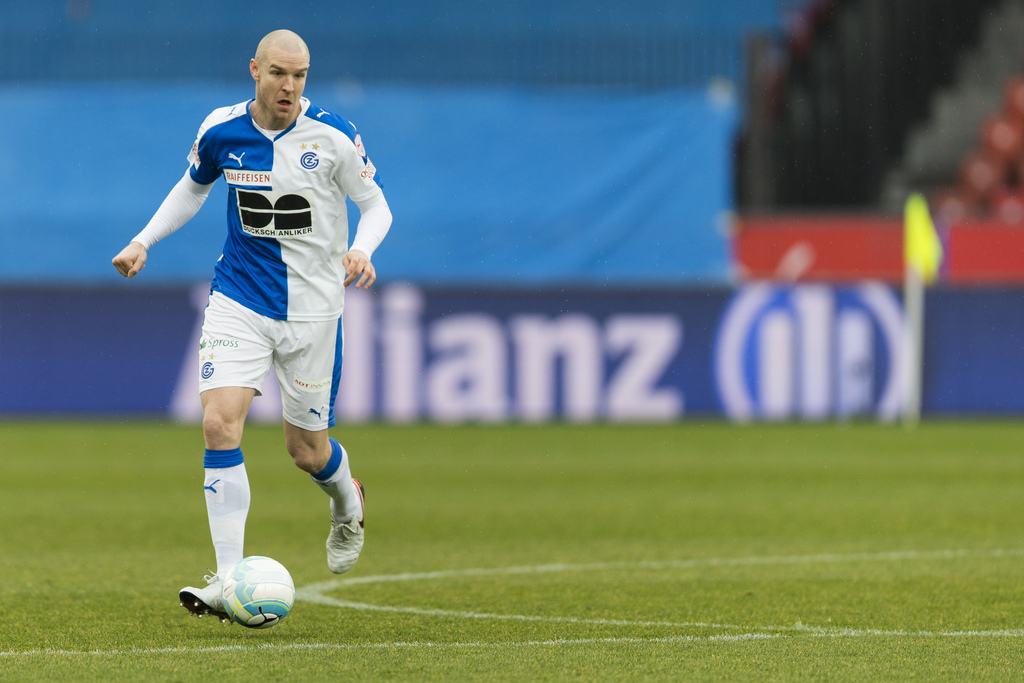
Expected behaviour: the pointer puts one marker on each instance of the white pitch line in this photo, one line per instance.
(668, 564)
(327, 600)
(315, 592)
(801, 629)
(387, 646)
(271, 647)
(815, 631)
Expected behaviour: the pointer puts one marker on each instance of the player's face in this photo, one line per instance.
(280, 80)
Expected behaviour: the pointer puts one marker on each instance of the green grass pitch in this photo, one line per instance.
(691, 551)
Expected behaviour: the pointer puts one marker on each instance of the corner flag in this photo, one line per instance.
(922, 254)
(922, 249)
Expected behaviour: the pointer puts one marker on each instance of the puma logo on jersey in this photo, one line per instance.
(322, 112)
(238, 159)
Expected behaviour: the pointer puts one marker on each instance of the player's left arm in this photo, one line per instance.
(357, 177)
(374, 222)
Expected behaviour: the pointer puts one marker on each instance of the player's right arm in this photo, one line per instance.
(184, 200)
(182, 203)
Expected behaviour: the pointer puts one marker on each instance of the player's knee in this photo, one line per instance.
(220, 433)
(305, 457)
(306, 461)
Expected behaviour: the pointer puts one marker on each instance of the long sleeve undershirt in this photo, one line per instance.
(374, 223)
(181, 204)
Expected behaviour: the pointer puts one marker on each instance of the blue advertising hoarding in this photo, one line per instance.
(760, 352)
(487, 185)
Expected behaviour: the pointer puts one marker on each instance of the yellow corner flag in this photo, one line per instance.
(922, 249)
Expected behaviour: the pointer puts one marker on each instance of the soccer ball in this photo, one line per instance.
(258, 592)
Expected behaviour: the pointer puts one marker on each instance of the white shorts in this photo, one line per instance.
(239, 346)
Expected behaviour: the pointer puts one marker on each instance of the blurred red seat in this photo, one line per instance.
(1013, 99)
(949, 204)
(1001, 139)
(1008, 205)
(979, 179)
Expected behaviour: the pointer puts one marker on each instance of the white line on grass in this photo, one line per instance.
(284, 647)
(668, 564)
(315, 593)
(327, 600)
(817, 631)
(835, 632)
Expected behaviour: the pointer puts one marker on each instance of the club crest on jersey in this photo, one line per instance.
(309, 160)
(265, 214)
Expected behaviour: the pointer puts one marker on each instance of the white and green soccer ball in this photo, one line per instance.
(258, 592)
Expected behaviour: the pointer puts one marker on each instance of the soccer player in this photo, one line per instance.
(278, 290)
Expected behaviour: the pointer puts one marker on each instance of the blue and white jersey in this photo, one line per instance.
(287, 218)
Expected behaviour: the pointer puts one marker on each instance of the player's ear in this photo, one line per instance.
(254, 69)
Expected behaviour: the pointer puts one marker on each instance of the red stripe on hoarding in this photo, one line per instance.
(849, 248)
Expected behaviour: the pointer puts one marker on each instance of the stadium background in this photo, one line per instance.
(602, 211)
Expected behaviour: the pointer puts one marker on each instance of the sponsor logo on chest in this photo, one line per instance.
(247, 178)
(279, 216)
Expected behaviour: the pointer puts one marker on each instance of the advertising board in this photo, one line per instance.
(758, 352)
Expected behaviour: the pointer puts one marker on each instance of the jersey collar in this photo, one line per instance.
(304, 105)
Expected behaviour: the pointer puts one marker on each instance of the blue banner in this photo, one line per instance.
(761, 352)
(487, 185)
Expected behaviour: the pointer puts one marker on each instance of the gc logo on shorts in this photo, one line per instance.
(207, 371)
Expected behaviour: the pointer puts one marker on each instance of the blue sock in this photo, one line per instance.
(228, 458)
(336, 481)
(333, 464)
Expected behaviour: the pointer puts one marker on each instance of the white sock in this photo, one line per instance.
(336, 481)
(227, 505)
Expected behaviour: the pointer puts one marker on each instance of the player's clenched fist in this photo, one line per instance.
(131, 260)
(357, 265)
